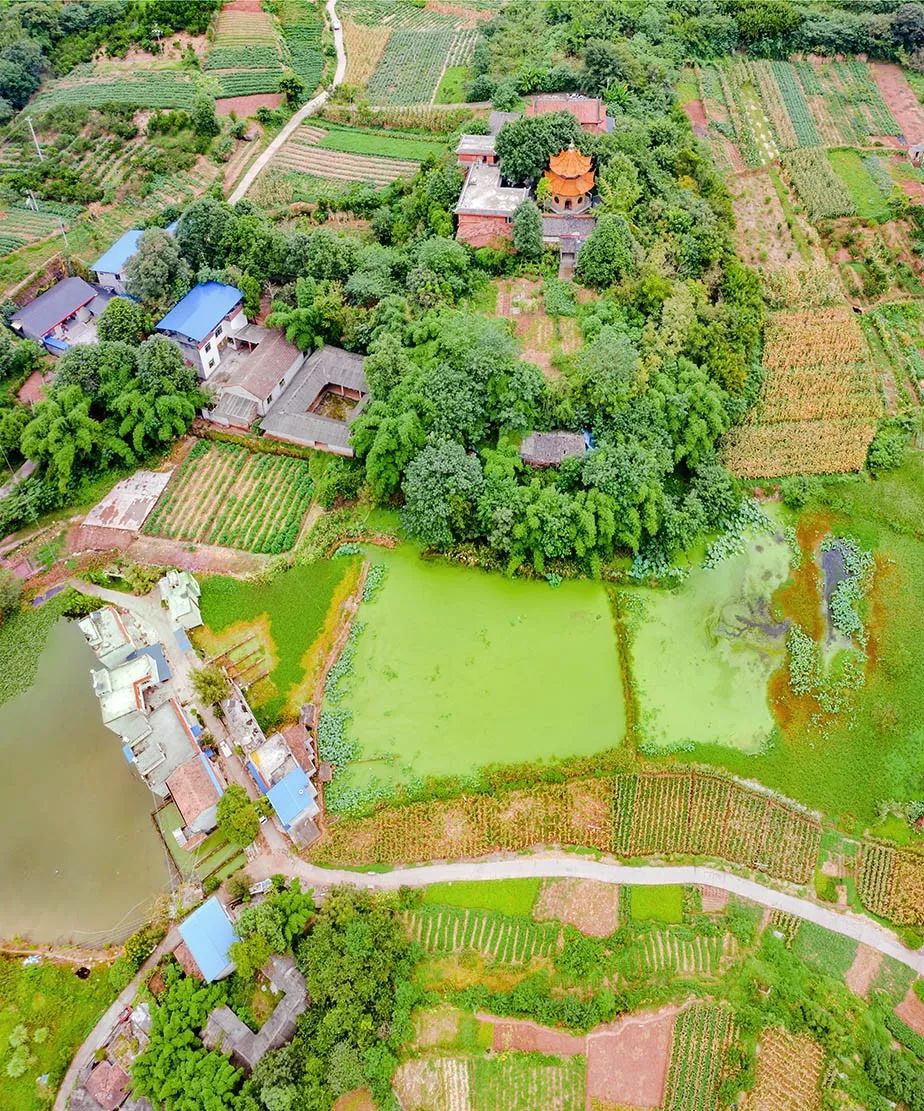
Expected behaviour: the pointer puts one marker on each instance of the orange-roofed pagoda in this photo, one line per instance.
(571, 181)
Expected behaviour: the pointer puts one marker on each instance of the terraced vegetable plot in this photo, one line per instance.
(702, 1035)
(819, 400)
(508, 1082)
(671, 952)
(224, 494)
(699, 814)
(410, 68)
(788, 1073)
(505, 939)
(19, 225)
(304, 152)
(160, 89)
(364, 48)
(245, 58)
(303, 42)
(890, 883)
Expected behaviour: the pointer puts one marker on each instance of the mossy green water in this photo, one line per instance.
(456, 669)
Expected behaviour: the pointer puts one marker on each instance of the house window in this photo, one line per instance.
(218, 331)
(208, 346)
(211, 363)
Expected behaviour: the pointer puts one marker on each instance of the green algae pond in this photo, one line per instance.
(80, 858)
(455, 668)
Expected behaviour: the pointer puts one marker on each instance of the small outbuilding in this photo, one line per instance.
(50, 317)
(208, 935)
(485, 208)
(196, 788)
(110, 267)
(476, 148)
(261, 370)
(181, 591)
(108, 1085)
(590, 112)
(549, 449)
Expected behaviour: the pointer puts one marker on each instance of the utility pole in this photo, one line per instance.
(34, 202)
(35, 139)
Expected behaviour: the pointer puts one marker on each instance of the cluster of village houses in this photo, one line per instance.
(140, 701)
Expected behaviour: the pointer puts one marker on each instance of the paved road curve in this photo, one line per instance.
(302, 114)
(567, 865)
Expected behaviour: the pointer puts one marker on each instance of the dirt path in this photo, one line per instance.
(302, 114)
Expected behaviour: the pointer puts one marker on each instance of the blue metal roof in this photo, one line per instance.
(208, 934)
(154, 652)
(207, 764)
(257, 778)
(291, 796)
(201, 310)
(183, 641)
(118, 254)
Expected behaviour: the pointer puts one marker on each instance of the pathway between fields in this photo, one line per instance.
(568, 866)
(302, 114)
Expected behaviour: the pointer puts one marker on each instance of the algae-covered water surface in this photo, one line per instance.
(456, 668)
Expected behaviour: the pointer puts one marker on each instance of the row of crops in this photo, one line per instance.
(702, 1034)
(890, 883)
(819, 400)
(411, 66)
(693, 813)
(224, 494)
(161, 89)
(505, 939)
(766, 107)
(303, 43)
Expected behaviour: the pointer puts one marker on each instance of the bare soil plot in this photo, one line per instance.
(433, 1084)
(911, 1012)
(713, 900)
(589, 906)
(627, 1061)
(541, 337)
(901, 101)
(788, 1073)
(696, 114)
(761, 232)
(244, 106)
(530, 1037)
(863, 970)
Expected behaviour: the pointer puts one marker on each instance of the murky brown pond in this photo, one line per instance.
(80, 858)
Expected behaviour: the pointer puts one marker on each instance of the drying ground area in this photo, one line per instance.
(455, 669)
(272, 637)
(224, 494)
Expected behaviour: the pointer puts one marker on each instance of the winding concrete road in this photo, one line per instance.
(570, 866)
(302, 114)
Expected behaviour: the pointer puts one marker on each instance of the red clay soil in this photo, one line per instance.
(886, 141)
(529, 1037)
(913, 189)
(33, 389)
(911, 1012)
(247, 105)
(714, 900)
(863, 970)
(900, 98)
(243, 6)
(589, 906)
(696, 114)
(627, 1061)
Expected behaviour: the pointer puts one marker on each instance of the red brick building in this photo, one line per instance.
(485, 209)
(590, 112)
(476, 148)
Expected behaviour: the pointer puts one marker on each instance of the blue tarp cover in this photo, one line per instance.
(208, 934)
(207, 764)
(291, 796)
(257, 778)
(182, 640)
(201, 310)
(118, 254)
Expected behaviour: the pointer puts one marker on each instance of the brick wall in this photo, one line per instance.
(483, 231)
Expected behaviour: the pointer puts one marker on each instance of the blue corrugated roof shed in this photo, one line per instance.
(291, 796)
(119, 253)
(209, 934)
(154, 652)
(204, 307)
(206, 763)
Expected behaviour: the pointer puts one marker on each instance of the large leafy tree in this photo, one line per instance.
(525, 146)
(610, 252)
(124, 320)
(156, 273)
(237, 816)
(527, 230)
(441, 489)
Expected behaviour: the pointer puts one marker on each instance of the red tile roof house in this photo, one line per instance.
(485, 209)
(196, 787)
(108, 1085)
(256, 379)
(589, 112)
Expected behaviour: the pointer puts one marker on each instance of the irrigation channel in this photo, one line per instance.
(80, 859)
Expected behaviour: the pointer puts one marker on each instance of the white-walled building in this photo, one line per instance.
(203, 322)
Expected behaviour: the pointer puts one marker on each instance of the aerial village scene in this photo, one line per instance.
(462, 555)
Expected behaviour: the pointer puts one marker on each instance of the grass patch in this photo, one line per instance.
(867, 197)
(295, 605)
(657, 904)
(504, 896)
(23, 636)
(384, 144)
(451, 89)
(830, 953)
(58, 1012)
(894, 979)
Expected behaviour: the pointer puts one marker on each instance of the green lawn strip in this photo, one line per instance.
(865, 193)
(451, 89)
(504, 896)
(58, 1012)
(228, 869)
(215, 860)
(663, 903)
(383, 144)
(526, 1081)
(828, 952)
(296, 603)
(168, 819)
